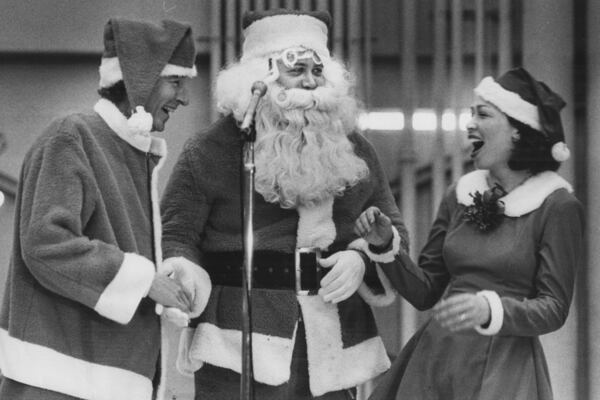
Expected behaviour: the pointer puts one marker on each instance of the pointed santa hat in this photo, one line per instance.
(138, 53)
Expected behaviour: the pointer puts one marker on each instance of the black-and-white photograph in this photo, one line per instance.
(299, 199)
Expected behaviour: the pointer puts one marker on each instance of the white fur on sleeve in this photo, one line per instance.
(122, 296)
(378, 300)
(363, 245)
(497, 313)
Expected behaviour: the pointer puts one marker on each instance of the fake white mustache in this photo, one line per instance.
(321, 99)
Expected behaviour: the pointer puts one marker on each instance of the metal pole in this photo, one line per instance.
(456, 82)
(247, 376)
(504, 37)
(408, 315)
(439, 79)
(479, 39)
(230, 29)
(215, 47)
(338, 29)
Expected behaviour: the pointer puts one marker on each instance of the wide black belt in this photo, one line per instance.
(299, 271)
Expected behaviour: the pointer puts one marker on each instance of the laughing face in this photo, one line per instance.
(491, 135)
(169, 93)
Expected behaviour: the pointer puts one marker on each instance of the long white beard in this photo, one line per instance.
(302, 153)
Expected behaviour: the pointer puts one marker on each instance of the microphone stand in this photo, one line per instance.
(247, 376)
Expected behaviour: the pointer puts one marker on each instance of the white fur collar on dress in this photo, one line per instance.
(524, 199)
(118, 123)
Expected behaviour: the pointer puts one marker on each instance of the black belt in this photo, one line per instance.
(300, 271)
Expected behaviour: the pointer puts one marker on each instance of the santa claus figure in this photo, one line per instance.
(315, 174)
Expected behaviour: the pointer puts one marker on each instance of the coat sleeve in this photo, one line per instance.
(560, 254)
(423, 284)
(58, 196)
(185, 209)
(377, 289)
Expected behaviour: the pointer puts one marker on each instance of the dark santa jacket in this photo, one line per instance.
(75, 317)
(201, 214)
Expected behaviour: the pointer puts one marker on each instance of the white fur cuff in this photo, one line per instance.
(497, 313)
(120, 299)
(378, 300)
(185, 364)
(387, 257)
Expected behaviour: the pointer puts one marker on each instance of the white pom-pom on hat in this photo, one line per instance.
(560, 152)
(140, 121)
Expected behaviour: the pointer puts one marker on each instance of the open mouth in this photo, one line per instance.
(168, 111)
(477, 144)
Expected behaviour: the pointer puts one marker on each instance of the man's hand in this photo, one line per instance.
(375, 227)
(346, 275)
(169, 293)
(462, 312)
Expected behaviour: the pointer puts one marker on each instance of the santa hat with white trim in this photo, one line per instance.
(520, 96)
(269, 32)
(138, 53)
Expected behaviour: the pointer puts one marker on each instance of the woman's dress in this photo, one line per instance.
(527, 267)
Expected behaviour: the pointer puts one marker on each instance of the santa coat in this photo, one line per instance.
(75, 317)
(201, 214)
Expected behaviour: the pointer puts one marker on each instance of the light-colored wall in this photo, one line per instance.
(67, 26)
(592, 270)
(548, 55)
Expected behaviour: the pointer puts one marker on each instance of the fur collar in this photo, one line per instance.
(524, 199)
(118, 123)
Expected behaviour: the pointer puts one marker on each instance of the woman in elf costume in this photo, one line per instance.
(500, 261)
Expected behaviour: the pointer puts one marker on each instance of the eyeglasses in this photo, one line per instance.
(291, 56)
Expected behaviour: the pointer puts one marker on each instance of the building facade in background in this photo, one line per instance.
(409, 56)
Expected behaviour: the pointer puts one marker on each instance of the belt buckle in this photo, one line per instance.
(300, 255)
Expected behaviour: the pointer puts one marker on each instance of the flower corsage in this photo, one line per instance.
(487, 211)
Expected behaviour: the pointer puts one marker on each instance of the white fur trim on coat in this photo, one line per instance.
(222, 348)
(379, 300)
(387, 257)
(279, 32)
(43, 367)
(315, 225)
(118, 123)
(496, 313)
(185, 364)
(331, 366)
(522, 200)
(111, 73)
(120, 299)
(508, 102)
(389, 294)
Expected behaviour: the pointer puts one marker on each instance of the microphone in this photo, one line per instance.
(259, 88)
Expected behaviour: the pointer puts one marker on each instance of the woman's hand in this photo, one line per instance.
(462, 312)
(375, 227)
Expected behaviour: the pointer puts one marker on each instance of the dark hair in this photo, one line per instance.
(115, 93)
(532, 151)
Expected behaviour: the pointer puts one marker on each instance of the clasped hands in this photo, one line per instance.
(456, 313)
(169, 292)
